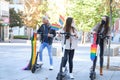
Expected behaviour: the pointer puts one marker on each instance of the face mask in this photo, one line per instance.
(103, 22)
(73, 24)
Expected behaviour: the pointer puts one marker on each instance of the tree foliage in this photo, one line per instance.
(55, 9)
(33, 12)
(87, 13)
(15, 18)
(115, 10)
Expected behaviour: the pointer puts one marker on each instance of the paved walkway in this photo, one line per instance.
(15, 57)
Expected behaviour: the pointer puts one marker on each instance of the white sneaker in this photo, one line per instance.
(40, 62)
(63, 69)
(51, 68)
(71, 76)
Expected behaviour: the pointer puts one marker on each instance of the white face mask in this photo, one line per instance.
(73, 24)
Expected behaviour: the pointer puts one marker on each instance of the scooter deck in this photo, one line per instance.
(35, 67)
(39, 65)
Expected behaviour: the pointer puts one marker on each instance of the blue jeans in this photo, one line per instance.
(49, 47)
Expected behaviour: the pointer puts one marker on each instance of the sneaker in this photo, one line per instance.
(63, 69)
(51, 68)
(41, 63)
(71, 76)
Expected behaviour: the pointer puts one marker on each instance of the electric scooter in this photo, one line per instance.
(93, 57)
(94, 54)
(36, 66)
(34, 55)
(63, 75)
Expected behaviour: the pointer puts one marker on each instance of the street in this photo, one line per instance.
(23, 23)
(15, 56)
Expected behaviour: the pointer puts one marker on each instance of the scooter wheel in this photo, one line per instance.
(92, 76)
(59, 77)
(33, 69)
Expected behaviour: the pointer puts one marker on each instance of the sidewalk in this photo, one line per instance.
(14, 58)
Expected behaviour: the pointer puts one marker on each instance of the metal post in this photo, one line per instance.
(109, 43)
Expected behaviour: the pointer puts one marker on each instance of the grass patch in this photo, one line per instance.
(20, 37)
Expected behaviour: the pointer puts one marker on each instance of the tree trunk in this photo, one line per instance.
(108, 58)
(83, 38)
(29, 33)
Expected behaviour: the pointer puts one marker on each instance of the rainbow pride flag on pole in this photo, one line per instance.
(56, 26)
(93, 48)
(34, 47)
(33, 52)
(61, 20)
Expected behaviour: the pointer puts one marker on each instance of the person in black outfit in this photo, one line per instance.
(102, 29)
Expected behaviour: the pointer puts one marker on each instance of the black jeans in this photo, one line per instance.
(68, 55)
(101, 44)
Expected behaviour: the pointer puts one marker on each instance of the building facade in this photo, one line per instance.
(116, 31)
(4, 20)
(17, 5)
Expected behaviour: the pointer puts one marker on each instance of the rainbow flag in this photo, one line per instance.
(93, 51)
(61, 20)
(34, 48)
(33, 52)
(56, 26)
(93, 48)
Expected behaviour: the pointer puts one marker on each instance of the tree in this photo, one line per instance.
(33, 11)
(114, 12)
(15, 19)
(55, 9)
(86, 13)
(115, 4)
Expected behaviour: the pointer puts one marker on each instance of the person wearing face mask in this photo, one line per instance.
(70, 42)
(103, 29)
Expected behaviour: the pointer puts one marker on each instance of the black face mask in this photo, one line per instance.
(103, 22)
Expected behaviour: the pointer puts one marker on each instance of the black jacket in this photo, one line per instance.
(41, 31)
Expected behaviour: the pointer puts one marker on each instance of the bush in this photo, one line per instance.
(20, 37)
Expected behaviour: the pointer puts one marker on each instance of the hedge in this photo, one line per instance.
(20, 37)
